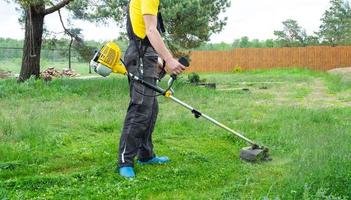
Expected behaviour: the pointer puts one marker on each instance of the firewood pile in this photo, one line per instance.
(51, 72)
(4, 74)
(69, 73)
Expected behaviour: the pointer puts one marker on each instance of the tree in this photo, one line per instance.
(292, 34)
(255, 43)
(34, 12)
(77, 42)
(189, 23)
(244, 42)
(336, 23)
(182, 30)
(312, 40)
(236, 43)
(269, 43)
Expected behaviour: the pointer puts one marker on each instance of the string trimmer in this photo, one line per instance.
(108, 60)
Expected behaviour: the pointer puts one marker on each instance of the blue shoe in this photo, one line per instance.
(155, 160)
(127, 172)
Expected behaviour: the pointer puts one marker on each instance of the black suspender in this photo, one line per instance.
(142, 44)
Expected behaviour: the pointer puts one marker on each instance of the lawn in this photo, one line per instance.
(59, 139)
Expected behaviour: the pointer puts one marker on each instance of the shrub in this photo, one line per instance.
(237, 69)
(194, 78)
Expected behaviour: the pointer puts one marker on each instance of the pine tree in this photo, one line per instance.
(336, 24)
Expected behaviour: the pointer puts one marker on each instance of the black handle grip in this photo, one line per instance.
(174, 77)
(183, 61)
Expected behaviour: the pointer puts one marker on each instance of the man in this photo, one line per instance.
(144, 25)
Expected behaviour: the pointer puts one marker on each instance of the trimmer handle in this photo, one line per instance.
(183, 61)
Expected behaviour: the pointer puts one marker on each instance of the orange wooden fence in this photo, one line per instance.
(316, 58)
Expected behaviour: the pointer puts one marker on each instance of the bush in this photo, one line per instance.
(194, 78)
(237, 69)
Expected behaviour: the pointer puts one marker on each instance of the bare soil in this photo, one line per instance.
(341, 71)
(320, 96)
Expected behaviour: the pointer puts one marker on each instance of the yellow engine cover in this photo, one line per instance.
(110, 56)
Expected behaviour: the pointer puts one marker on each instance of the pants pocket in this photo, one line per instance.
(150, 66)
(137, 93)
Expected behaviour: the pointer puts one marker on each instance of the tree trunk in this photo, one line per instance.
(70, 55)
(32, 42)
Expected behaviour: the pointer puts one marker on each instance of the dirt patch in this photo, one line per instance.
(342, 71)
(313, 94)
(320, 92)
(320, 97)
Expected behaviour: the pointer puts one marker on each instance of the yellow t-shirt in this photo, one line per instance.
(138, 8)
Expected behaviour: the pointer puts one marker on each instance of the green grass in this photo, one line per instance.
(59, 140)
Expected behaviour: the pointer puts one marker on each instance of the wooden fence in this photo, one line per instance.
(316, 58)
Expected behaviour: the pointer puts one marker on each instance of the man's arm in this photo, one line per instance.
(174, 67)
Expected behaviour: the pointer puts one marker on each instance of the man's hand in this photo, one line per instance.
(174, 67)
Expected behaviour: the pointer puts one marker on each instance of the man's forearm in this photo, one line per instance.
(157, 42)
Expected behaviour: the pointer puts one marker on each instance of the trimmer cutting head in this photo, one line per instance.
(255, 153)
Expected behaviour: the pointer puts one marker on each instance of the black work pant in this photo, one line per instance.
(136, 138)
